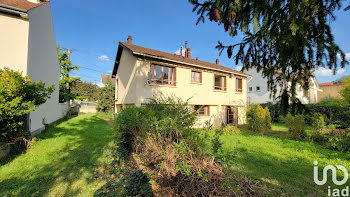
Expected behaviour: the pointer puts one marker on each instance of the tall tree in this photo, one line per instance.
(66, 81)
(346, 90)
(285, 39)
(85, 89)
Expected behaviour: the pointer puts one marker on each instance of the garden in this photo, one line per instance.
(155, 150)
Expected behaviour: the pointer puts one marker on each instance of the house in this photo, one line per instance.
(329, 90)
(259, 93)
(28, 45)
(218, 93)
(105, 79)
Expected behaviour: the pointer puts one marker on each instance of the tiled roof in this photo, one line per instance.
(179, 58)
(23, 5)
(329, 84)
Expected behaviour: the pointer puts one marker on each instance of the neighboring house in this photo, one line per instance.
(329, 90)
(28, 45)
(105, 79)
(259, 93)
(217, 92)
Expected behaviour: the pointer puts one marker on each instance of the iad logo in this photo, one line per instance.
(332, 192)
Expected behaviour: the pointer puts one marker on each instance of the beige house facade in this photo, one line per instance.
(330, 90)
(218, 93)
(28, 45)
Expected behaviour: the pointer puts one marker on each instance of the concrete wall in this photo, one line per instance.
(133, 87)
(332, 91)
(13, 42)
(43, 64)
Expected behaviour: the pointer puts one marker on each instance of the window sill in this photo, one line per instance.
(198, 83)
(162, 85)
(220, 90)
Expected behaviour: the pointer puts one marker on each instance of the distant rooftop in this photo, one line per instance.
(329, 84)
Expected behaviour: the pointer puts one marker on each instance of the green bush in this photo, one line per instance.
(332, 138)
(106, 97)
(138, 184)
(18, 96)
(318, 121)
(296, 126)
(165, 116)
(275, 111)
(130, 122)
(230, 130)
(336, 112)
(259, 119)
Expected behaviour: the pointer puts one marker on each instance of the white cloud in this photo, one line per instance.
(239, 68)
(347, 55)
(178, 52)
(321, 71)
(109, 72)
(104, 58)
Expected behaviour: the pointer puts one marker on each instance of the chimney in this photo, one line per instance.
(129, 40)
(196, 58)
(217, 61)
(186, 44)
(181, 51)
(188, 54)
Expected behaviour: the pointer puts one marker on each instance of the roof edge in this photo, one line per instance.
(185, 63)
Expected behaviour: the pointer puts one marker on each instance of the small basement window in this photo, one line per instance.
(203, 110)
(257, 88)
(250, 89)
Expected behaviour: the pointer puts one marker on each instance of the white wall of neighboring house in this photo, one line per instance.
(263, 95)
(43, 64)
(29, 46)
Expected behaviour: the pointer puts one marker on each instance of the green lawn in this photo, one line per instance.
(284, 165)
(64, 162)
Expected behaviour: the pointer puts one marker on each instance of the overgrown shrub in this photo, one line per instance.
(332, 138)
(295, 125)
(275, 111)
(259, 119)
(336, 112)
(161, 135)
(230, 130)
(18, 96)
(318, 121)
(106, 97)
(138, 184)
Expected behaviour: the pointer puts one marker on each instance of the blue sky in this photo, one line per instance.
(92, 30)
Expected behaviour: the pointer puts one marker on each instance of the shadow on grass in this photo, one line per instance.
(288, 169)
(74, 148)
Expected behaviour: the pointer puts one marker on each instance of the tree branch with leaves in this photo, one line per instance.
(287, 40)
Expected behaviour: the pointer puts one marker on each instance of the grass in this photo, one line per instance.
(284, 165)
(63, 161)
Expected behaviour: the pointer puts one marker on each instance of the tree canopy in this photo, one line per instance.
(66, 81)
(85, 90)
(285, 39)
